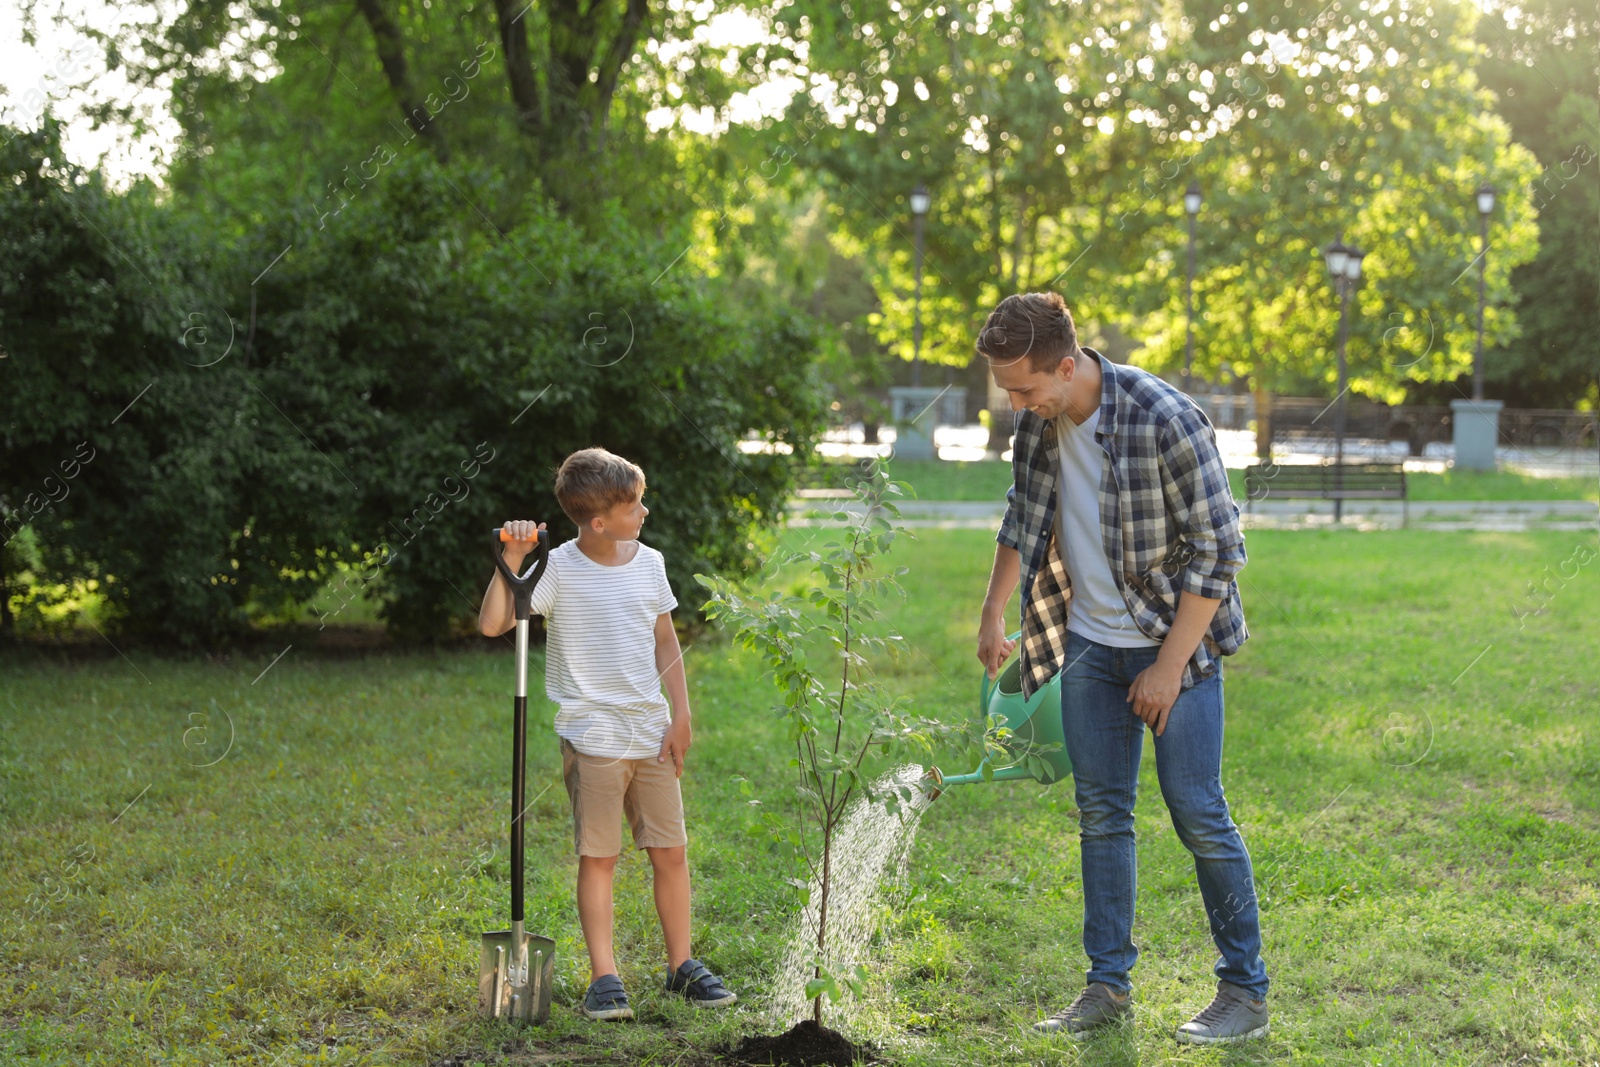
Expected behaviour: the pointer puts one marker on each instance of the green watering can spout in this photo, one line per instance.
(1034, 723)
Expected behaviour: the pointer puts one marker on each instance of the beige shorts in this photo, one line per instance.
(603, 789)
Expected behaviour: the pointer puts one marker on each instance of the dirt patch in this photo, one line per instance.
(803, 1045)
(512, 1052)
(568, 1051)
(465, 1059)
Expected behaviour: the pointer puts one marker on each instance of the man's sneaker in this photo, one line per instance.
(606, 1000)
(1232, 1016)
(699, 986)
(1097, 1006)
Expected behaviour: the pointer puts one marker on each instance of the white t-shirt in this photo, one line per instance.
(600, 656)
(1096, 611)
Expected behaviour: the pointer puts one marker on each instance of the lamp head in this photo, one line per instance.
(1191, 199)
(1352, 263)
(920, 200)
(1486, 194)
(1337, 255)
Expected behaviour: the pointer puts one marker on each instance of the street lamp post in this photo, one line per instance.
(915, 418)
(1344, 264)
(1191, 204)
(1475, 423)
(1486, 193)
(919, 211)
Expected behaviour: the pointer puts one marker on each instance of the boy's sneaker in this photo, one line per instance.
(1095, 1007)
(699, 986)
(606, 1000)
(1231, 1016)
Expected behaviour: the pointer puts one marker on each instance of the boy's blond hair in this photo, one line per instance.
(593, 481)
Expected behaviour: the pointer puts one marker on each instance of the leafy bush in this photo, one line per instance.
(372, 389)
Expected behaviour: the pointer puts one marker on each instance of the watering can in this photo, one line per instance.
(1035, 720)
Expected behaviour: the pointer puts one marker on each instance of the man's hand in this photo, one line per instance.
(993, 648)
(675, 743)
(1153, 693)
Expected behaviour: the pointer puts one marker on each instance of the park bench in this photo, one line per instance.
(1326, 481)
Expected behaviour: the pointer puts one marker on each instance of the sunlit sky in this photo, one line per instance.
(32, 75)
(51, 71)
(47, 72)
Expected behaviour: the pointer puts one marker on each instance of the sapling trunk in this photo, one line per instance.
(822, 915)
(831, 805)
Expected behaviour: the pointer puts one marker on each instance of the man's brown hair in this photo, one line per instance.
(1035, 326)
(593, 481)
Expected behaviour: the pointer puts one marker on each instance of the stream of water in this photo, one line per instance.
(871, 848)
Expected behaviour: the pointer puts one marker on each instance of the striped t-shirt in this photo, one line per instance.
(600, 656)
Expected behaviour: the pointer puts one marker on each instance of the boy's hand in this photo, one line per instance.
(675, 743)
(522, 533)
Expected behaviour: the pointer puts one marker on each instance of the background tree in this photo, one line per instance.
(1058, 142)
(988, 107)
(1350, 125)
(281, 98)
(1539, 59)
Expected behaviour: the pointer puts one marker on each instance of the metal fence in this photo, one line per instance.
(1561, 441)
(1541, 441)
(1298, 419)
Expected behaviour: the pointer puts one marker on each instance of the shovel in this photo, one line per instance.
(514, 970)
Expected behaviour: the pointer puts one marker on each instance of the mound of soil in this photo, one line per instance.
(803, 1045)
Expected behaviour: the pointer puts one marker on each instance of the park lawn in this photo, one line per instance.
(1415, 769)
(1498, 485)
(989, 480)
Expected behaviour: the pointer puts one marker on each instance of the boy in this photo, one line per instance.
(608, 613)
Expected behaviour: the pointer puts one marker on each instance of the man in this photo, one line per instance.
(1126, 538)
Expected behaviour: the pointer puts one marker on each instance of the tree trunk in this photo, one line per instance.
(1001, 421)
(633, 20)
(1022, 232)
(572, 47)
(994, 217)
(1263, 422)
(392, 55)
(7, 624)
(584, 66)
(511, 15)
(1033, 247)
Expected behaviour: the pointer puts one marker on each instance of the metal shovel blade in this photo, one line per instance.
(513, 985)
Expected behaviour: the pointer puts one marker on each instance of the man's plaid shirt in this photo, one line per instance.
(1167, 517)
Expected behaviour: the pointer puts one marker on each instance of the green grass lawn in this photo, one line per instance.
(1417, 775)
(939, 480)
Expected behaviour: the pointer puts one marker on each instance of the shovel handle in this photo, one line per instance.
(522, 601)
(521, 585)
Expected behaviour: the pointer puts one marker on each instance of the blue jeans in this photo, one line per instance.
(1106, 740)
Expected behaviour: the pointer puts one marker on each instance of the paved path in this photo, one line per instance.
(1490, 515)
